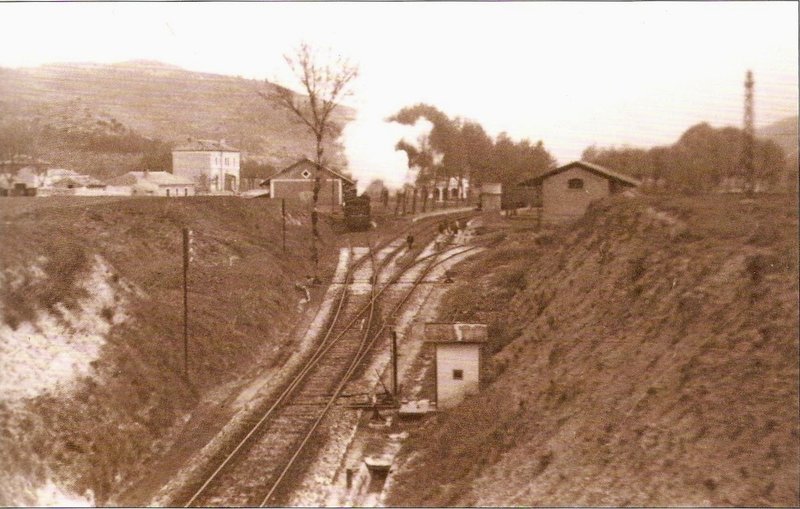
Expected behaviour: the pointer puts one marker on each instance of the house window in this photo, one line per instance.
(186, 191)
(575, 183)
(306, 174)
(167, 192)
(458, 374)
(226, 161)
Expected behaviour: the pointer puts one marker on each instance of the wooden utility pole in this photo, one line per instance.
(186, 234)
(749, 136)
(414, 201)
(283, 222)
(333, 193)
(395, 387)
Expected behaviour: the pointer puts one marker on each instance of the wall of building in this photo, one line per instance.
(303, 189)
(214, 165)
(559, 202)
(451, 356)
(491, 201)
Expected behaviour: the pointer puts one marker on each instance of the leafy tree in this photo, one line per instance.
(699, 160)
(466, 150)
(325, 81)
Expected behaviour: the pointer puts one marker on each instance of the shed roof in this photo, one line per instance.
(591, 167)
(306, 160)
(455, 332)
(205, 146)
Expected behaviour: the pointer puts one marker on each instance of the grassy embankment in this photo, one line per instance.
(99, 432)
(647, 355)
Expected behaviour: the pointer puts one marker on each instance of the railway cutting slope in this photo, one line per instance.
(647, 356)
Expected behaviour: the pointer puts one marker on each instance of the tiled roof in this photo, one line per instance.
(594, 168)
(205, 146)
(455, 332)
(309, 161)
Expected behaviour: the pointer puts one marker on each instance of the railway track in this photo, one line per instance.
(256, 470)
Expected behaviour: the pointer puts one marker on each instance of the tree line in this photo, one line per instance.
(459, 148)
(701, 160)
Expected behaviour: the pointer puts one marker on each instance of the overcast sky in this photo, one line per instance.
(569, 74)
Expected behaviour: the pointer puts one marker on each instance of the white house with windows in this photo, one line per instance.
(212, 165)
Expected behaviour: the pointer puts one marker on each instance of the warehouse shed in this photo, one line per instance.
(297, 182)
(567, 191)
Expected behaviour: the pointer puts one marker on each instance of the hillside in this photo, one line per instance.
(784, 133)
(91, 351)
(645, 356)
(153, 100)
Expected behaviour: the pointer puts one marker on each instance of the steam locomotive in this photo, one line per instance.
(357, 214)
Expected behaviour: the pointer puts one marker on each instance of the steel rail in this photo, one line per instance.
(323, 347)
(364, 349)
(353, 264)
(345, 378)
(327, 343)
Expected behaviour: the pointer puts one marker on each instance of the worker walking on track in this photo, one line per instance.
(410, 241)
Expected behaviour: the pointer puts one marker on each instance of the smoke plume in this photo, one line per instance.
(369, 144)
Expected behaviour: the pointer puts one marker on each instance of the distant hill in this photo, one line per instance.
(784, 133)
(150, 100)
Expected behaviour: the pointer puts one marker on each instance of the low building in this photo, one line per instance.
(444, 189)
(491, 196)
(457, 360)
(567, 191)
(154, 183)
(297, 182)
(212, 165)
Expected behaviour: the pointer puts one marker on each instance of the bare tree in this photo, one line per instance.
(325, 80)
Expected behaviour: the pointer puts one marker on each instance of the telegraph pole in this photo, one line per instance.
(395, 385)
(749, 135)
(186, 233)
(283, 222)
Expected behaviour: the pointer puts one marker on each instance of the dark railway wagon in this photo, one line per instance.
(357, 215)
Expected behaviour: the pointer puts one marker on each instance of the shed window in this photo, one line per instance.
(458, 374)
(575, 183)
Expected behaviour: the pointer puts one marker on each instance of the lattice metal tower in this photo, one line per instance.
(748, 150)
